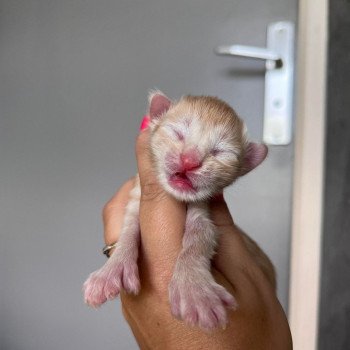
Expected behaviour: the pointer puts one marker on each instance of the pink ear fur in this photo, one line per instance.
(254, 156)
(158, 104)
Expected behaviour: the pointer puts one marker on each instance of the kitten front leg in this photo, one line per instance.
(194, 295)
(120, 271)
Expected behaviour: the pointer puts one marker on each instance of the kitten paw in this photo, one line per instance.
(200, 303)
(106, 283)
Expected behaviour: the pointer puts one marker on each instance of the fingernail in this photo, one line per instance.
(218, 197)
(144, 123)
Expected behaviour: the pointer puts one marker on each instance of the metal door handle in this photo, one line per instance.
(279, 56)
(251, 52)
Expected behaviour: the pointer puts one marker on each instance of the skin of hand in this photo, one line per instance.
(258, 323)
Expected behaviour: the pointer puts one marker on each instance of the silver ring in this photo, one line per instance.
(107, 248)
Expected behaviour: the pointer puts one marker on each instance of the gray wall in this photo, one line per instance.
(60, 128)
(334, 327)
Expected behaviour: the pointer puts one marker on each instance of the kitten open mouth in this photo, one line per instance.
(181, 182)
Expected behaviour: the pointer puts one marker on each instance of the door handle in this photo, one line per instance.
(279, 79)
(251, 52)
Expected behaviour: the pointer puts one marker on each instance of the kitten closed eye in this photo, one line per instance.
(216, 151)
(180, 136)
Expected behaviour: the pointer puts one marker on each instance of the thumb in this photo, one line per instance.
(162, 218)
(144, 162)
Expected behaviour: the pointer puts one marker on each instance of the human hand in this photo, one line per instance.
(258, 323)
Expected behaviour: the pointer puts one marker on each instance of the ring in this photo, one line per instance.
(107, 248)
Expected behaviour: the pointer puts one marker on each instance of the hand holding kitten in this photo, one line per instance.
(197, 146)
(258, 323)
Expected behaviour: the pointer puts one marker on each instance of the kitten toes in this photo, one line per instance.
(200, 303)
(227, 299)
(93, 289)
(131, 280)
(106, 283)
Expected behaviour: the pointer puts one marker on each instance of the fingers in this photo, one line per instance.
(220, 213)
(232, 254)
(113, 212)
(162, 217)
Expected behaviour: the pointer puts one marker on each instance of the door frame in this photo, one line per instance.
(308, 173)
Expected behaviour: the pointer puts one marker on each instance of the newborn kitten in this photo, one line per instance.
(199, 146)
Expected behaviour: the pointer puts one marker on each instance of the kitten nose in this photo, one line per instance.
(190, 160)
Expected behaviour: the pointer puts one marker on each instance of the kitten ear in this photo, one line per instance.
(158, 104)
(255, 154)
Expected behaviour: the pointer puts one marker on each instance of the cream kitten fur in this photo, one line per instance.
(199, 146)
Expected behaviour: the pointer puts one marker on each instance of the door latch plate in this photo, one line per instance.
(278, 113)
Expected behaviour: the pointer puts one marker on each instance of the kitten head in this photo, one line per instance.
(199, 145)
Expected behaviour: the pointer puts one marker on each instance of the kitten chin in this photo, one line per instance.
(185, 194)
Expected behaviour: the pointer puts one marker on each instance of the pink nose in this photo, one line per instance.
(190, 160)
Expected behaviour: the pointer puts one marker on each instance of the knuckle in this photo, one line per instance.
(107, 208)
(224, 224)
(113, 203)
(151, 191)
(128, 184)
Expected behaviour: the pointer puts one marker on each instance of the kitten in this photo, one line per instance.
(198, 146)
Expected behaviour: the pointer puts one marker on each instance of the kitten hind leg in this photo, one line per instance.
(120, 271)
(195, 297)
